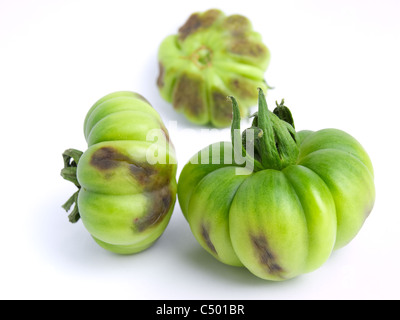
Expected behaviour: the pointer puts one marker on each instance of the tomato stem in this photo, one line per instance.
(274, 141)
(278, 146)
(71, 158)
(239, 142)
(268, 149)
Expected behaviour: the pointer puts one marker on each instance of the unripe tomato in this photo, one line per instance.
(280, 203)
(126, 196)
(212, 56)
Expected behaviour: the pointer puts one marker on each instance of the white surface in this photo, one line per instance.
(335, 62)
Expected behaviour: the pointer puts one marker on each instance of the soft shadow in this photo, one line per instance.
(66, 246)
(200, 259)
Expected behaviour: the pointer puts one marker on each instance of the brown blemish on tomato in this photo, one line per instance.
(156, 186)
(143, 174)
(209, 17)
(222, 107)
(188, 95)
(198, 21)
(155, 181)
(107, 158)
(190, 26)
(206, 236)
(161, 201)
(245, 47)
(243, 88)
(237, 25)
(266, 257)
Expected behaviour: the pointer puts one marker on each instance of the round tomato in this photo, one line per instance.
(212, 56)
(126, 181)
(275, 200)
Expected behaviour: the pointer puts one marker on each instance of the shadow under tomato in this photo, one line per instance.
(201, 260)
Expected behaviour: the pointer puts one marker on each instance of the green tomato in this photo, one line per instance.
(127, 182)
(211, 57)
(304, 195)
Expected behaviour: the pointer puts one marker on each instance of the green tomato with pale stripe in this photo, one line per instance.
(305, 195)
(126, 178)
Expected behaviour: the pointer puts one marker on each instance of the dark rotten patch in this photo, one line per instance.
(238, 25)
(222, 107)
(206, 236)
(108, 158)
(266, 256)
(197, 21)
(188, 95)
(161, 201)
(191, 25)
(143, 174)
(155, 183)
(209, 17)
(245, 47)
(244, 88)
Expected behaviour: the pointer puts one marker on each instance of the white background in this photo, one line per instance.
(336, 63)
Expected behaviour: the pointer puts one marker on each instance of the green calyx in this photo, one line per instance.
(271, 142)
(71, 158)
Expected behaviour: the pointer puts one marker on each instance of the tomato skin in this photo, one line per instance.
(209, 211)
(126, 196)
(346, 169)
(212, 56)
(281, 223)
